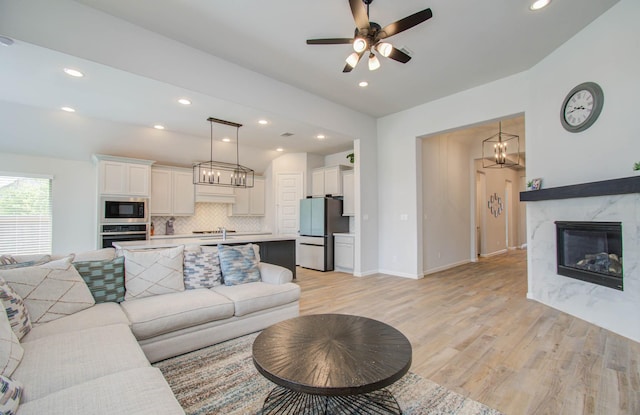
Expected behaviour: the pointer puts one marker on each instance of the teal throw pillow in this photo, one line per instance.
(105, 279)
(239, 264)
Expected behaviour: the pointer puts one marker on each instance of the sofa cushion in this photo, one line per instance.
(10, 394)
(57, 362)
(201, 270)
(103, 314)
(152, 272)
(161, 314)
(103, 254)
(10, 349)
(105, 278)
(15, 309)
(257, 296)
(239, 264)
(140, 391)
(50, 290)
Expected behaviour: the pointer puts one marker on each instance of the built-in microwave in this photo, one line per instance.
(123, 210)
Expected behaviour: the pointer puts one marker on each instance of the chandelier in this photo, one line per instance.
(501, 150)
(220, 173)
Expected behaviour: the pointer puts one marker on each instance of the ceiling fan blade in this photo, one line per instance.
(359, 14)
(404, 24)
(332, 41)
(398, 55)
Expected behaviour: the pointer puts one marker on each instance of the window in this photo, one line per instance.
(25, 215)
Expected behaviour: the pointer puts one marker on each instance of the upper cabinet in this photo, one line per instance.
(172, 192)
(327, 180)
(120, 176)
(214, 194)
(250, 201)
(348, 201)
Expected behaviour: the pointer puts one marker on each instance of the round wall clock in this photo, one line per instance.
(581, 107)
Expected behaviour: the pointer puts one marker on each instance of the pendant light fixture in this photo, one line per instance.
(501, 150)
(219, 173)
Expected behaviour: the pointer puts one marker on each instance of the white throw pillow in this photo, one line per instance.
(153, 272)
(105, 254)
(10, 349)
(50, 290)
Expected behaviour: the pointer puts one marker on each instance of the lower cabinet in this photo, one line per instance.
(281, 253)
(343, 252)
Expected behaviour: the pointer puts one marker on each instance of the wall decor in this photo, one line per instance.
(536, 184)
(495, 205)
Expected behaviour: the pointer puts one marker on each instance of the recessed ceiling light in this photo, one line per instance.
(362, 84)
(6, 41)
(539, 4)
(184, 101)
(73, 72)
(68, 109)
(263, 122)
(226, 139)
(321, 137)
(280, 149)
(158, 127)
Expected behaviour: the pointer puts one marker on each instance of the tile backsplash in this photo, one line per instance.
(208, 216)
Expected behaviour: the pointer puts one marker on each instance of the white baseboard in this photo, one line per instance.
(364, 274)
(500, 252)
(446, 267)
(400, 274)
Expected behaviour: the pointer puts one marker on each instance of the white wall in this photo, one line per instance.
(338, 158)
(74, 196)
(398, 167)
(608, 53)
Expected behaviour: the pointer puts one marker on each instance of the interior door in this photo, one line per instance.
(289, 193)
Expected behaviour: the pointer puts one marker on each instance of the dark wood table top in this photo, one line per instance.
(332, 354)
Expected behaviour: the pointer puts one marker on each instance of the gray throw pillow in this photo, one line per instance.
(239, 264)
(105, 279)
(201, 270)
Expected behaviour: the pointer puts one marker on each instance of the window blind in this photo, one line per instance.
(25, 215)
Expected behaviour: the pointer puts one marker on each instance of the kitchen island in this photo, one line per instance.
(274, 249)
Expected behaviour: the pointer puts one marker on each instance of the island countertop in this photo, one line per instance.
(203, 240)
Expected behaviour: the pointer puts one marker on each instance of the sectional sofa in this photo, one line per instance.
(91, 341)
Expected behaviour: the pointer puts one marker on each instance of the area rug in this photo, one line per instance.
(222, 379)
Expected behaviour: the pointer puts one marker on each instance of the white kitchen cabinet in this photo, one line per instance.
(348, 190)
(172, 192)
(343, 252)
(250, 201)
(327, 180)
(122, 176)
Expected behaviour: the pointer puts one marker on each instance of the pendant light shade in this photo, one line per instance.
(352, 60)
(220, 173)
(374, 63)
(501, 150)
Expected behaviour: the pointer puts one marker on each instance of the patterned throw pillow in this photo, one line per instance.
(15, 309)
(153, 272)
(10, 349)
(201, 270)
(7, 260)
(50, 290)
(239, 264)
(10, 394)
(105, 279)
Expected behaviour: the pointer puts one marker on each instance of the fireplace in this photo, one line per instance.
(590, 251)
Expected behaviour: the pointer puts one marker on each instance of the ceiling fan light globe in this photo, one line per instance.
(374, 63)
(384, 48)
(359, 44)
(352, 60)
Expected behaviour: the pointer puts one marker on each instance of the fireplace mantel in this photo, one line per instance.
(622, 186)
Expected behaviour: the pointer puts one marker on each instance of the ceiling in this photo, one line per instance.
(467, 43)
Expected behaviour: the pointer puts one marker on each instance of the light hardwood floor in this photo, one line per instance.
(473, 330)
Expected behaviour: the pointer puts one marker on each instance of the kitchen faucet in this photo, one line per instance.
(224, 232)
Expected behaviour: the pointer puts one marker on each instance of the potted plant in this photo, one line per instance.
(636, 166)
(351, 156)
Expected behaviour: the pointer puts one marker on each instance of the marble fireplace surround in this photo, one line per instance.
(607, 201)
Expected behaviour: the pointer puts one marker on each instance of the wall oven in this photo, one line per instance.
(122, 233)
(124, 210)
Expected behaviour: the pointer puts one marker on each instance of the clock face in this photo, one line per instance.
(581, 107)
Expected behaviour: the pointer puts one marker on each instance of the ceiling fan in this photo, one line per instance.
(370, 35)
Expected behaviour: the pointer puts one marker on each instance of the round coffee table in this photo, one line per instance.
(331, 364)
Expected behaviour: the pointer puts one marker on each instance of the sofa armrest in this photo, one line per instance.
(274, 274)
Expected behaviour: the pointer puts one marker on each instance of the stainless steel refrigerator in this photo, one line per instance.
(320, 218)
